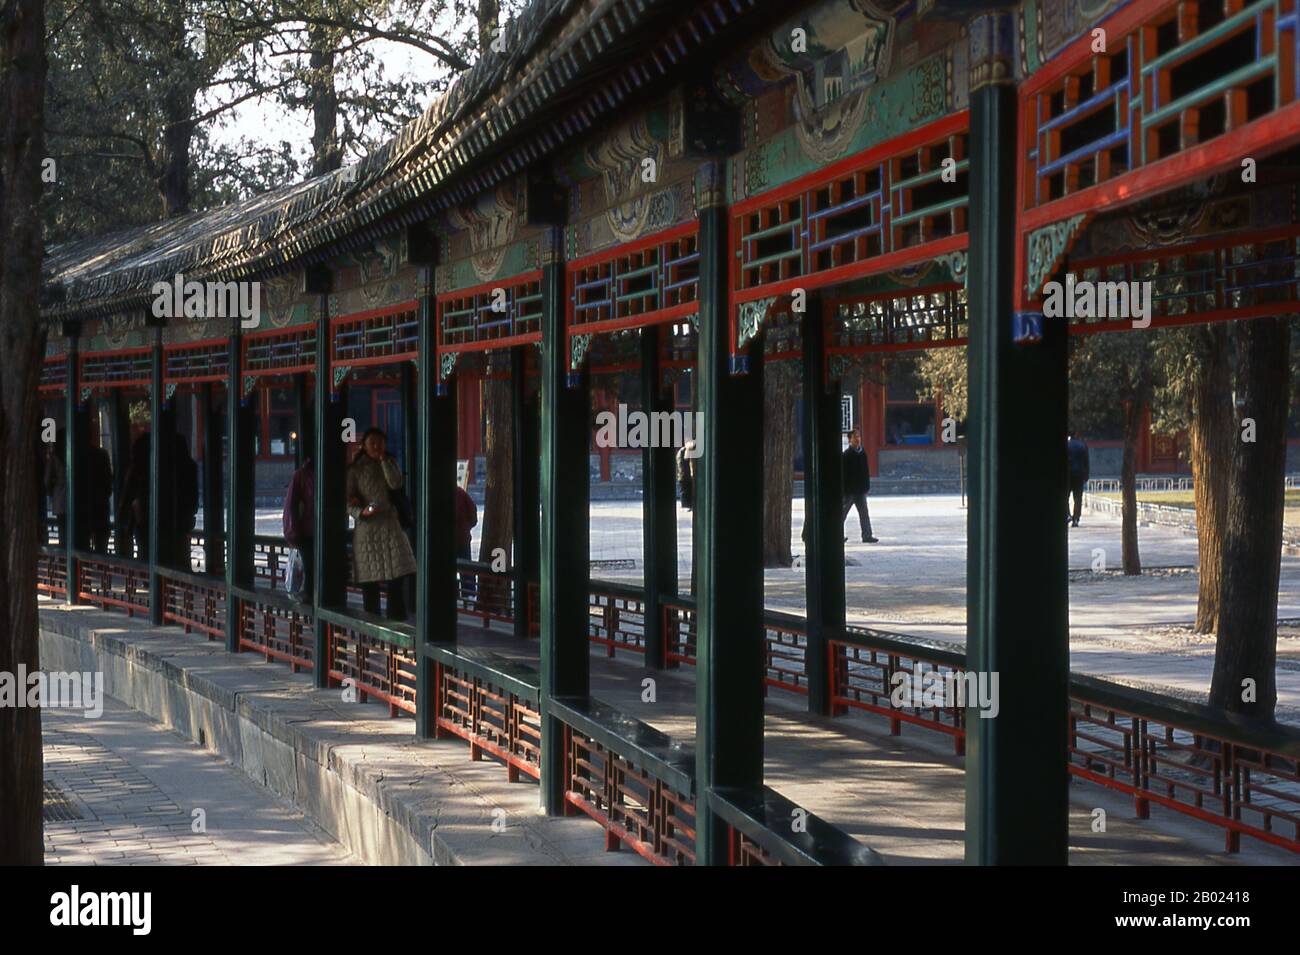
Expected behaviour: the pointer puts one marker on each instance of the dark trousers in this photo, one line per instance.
(468, 581)
(1076, 492)
(864, 516)
(396, 590)
(307, 549)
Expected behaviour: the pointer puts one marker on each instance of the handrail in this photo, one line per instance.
(272, 598)
(639, 743)
(371, 625)
(765, 818)
(1197, 718)
(934, 651)
(95, 556)
(492, 667)
(191, 578)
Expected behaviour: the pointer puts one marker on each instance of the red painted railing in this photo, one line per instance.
(276, 626)
(1240, 776)
(862, 679)
(378, 661)
(195, 603)
(636, 808)
(494, 711)
(113, 582)
(1172, 755)
(617, 620)
(52, 571)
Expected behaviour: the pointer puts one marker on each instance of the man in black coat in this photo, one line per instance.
(1077, 454)
(857, 482)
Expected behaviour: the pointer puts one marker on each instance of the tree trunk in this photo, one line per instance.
(1128, 488)
(1213, 432)
(498, 492)
(325, 153)
(174, 178)
(780, 387)
(178, 117)
(22, 345)
(1246, 649)
(489, 17)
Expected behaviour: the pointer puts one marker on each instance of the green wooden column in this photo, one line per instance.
(406, 390)
(214, 559)
(658, 505)
(241, 523)
(729, 635)
(159, 439)
(527, 489)
(435, 510)
(121, 456)
(823, 520)
(1016, 591)
(72, 469)
(565, 573)
(300, 418)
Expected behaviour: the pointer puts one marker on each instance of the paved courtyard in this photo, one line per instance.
(124, 791)
(1132, 629)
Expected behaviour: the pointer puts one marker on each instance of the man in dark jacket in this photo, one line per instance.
(466, 519)
(183, 494)
(94, 506)
(857, 482)
(1076, 451)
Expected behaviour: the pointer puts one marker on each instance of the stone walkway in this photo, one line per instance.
(126, 791)
(362, 776)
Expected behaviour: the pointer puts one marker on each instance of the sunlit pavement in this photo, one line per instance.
(127, 791)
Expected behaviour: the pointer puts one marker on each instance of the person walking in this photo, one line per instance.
(466, 520)
(184, 502)
(132, 530)
(380, 551)
(856, 472)
(686, 472)
(1076, 452)
(300, 522)
(98, 492)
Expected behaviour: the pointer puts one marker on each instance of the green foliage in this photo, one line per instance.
(143, 95)
(944, 369)
(1108, 371)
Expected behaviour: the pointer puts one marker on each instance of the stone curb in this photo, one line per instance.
(361, 776)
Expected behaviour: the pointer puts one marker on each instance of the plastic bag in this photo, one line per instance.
(294, 575)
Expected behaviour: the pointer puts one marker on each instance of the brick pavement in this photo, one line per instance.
(136, 786)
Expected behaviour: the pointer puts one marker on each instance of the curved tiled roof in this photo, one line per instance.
(554, 50)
